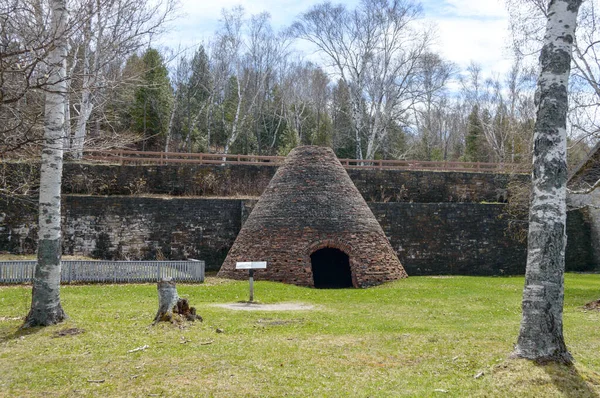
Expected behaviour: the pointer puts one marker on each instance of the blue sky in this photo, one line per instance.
(467, 29)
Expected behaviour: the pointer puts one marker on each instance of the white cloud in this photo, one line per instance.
(282, 12)
(484, 42)
(468, 29)
(471, 30)
(478, 8)
(198, 20)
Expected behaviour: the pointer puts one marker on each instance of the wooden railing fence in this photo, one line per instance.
(86, 271)
(162, 158)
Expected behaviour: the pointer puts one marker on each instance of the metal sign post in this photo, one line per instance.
(251, 274)
(251, 266)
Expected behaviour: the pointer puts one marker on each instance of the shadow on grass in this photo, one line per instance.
(569, 382)
(19, 333)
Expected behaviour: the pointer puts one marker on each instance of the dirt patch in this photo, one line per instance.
(278, 322)
(592, 305)
(68, 332)
(266, 307)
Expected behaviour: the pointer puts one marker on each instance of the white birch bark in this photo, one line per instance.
(239, 120)
(541, 335)
(70, 72)
(85, 112)
(90, 73)
(85, 105)
(357, 121)
(170, 126)
(234, 125)
(45, 304)
(67, 135)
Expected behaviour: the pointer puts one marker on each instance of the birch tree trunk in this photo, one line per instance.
(234, 125)
(171, 307)
(85, 112)
(45, 304)
(170, 126)
(85, 105)
(356, 121)
(67, 135)
(541, 335)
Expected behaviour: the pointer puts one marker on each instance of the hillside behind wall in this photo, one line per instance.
(437, 222)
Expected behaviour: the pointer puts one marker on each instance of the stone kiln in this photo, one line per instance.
(314, 228)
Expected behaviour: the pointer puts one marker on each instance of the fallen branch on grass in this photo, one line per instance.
(142, 348)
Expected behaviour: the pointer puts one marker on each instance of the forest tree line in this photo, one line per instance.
(378, 91)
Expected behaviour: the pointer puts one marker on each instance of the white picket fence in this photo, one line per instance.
(76, 271)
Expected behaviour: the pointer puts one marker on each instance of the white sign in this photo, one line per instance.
(251, 265)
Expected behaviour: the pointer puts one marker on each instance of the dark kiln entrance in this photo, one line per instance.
(331, 269)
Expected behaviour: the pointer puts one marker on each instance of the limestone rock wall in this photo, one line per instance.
(429, 239)
(469, 239)
(448, 227)
(131, 228)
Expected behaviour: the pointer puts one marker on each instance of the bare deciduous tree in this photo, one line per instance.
(111, 31)
(541, 334)
(375, 50)
(528, 18)
(100, 35)
(25, 40)
(432, 113)
(244, 58)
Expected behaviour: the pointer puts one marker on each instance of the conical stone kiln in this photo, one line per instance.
(314, 228)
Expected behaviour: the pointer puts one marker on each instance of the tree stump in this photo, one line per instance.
(171, 307)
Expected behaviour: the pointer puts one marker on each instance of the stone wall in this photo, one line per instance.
(579, 256)
(176, 180)
(468, 239)
(132, 228)
(583, 178)
(18, 225)
(432, 186)
(437, 222)
(442, 238)
(247, 180)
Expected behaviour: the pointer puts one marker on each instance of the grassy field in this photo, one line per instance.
(420, 337)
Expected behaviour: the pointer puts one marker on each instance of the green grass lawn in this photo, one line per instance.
(419, 337)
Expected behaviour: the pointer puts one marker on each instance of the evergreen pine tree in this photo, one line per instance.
(153, 101)
(196, 94)
(474, 138)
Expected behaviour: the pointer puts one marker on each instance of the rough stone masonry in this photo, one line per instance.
(310, 204)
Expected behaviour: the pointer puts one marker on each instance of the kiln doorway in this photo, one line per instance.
(331, 269)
